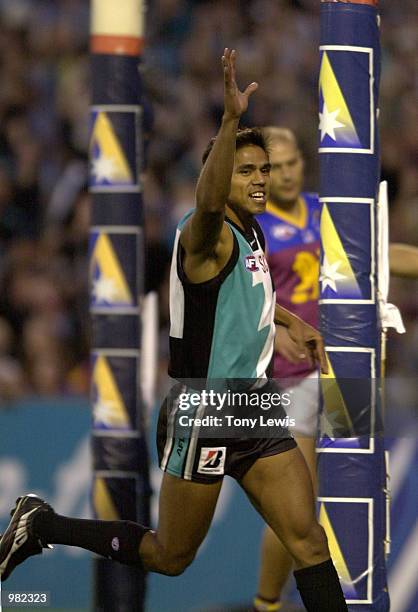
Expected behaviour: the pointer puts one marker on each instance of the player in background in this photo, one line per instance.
(291, 228)
(403, 260)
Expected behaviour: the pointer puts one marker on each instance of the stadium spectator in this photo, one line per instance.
(44, 124)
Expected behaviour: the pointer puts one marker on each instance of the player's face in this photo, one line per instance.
(286, 174)
(250, 180)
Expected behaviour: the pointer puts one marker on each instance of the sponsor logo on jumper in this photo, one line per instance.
(180, 446)
(253, 263)
(306, 267)
(308, 236)
(115, 544)
(283, 232)
(212, 460)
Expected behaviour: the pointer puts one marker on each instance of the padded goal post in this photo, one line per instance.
(120, 483)
(352, 474)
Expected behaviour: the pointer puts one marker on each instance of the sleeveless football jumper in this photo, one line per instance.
(223, 328)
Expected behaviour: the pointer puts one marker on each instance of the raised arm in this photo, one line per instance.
(201, 236)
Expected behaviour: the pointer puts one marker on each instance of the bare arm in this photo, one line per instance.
(285, 346)
(282, 316)
(308, 340)
(403, 260)
(201, 235)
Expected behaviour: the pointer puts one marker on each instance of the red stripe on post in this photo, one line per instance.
(116, 45)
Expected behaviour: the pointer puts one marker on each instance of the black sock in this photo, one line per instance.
(118, 540)
(320, 588)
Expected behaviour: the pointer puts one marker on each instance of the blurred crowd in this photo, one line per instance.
(44, 140)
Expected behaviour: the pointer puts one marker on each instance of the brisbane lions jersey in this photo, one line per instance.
(292, 247)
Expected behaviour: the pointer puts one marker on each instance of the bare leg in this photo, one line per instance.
(276, 562)
(186, 510)
(280, 487)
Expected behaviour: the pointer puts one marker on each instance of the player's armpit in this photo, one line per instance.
(203, 261)
(206, 235)
(202, 233)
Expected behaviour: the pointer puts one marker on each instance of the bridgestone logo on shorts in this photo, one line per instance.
(212, 460)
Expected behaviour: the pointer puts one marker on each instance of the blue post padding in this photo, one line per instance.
(351, 470)
(117, 146)
(353, 26)
(117, 259)
(116, 79)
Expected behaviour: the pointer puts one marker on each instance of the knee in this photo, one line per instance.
(312, 547)
(318, 539)
(174, 565)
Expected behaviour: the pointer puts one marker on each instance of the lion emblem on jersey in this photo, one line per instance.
(306, 266)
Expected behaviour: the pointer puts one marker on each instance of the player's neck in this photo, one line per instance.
(243, 220)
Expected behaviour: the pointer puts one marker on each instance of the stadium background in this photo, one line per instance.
(44, 220)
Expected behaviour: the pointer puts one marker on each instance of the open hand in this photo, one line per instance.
(235, 101)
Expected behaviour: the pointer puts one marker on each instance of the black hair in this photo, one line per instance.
(245, 136)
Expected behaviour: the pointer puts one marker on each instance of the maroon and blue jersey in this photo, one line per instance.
(292, 246)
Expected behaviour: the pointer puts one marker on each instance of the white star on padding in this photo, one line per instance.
(329, 274)
(103, 411)
(328, 122)
(104, 289)
(103, 168)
